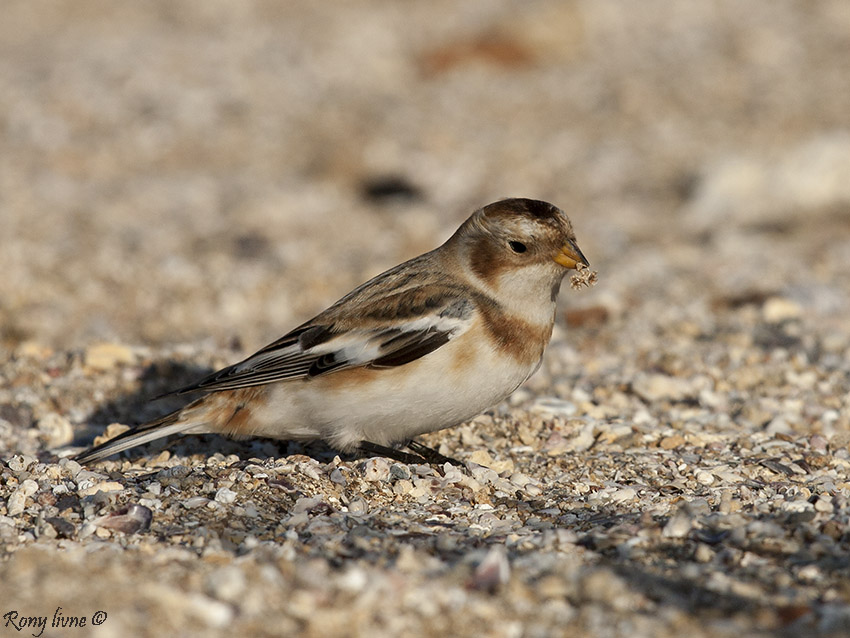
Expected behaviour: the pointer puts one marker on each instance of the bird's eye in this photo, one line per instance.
(517, 246)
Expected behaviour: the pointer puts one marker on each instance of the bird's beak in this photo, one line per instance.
(570, 256)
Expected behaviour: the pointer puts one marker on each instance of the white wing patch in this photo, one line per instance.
(381, 346)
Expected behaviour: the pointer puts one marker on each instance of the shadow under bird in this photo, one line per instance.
(423, 346)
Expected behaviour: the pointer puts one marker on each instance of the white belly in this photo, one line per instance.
(390, 405)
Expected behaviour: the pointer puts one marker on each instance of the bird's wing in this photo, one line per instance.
(380, 340)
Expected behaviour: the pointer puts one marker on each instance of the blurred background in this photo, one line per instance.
(173, 172)
(182, 182)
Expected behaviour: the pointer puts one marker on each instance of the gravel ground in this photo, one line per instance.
(183, 182)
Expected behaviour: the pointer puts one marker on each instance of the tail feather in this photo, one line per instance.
(162, 427)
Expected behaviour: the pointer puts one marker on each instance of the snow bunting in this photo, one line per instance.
(421, 347)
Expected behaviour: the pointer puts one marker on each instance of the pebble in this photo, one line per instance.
(680, 524)
(399, 471)
(227, 584)
(493, 571)
(105, 356)
(57, 430)
(195, 502)
(551, 406)
(703, 477)
(307, 504)
(671, 442)
(225, 496)
(824, 504)
(658, 387)
(376, 469)
(129, 520)
(20, 462)
(703, 553)
(779, 309)
(602, 585)
(358, 507)
(810, 176)
(480, 457)
(624, 494)
(338, 477)
(210, 613)
(583, 440)
(402, 487)
(88, 487)
(18, 499)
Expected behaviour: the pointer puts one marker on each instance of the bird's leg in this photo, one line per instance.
(368, 447)
(430, 454)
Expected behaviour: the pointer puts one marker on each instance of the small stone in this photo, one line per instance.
(493, 571)
(703, 477)
(399, 471)
(779, 309)
(376, 469)
(658, 387)
(227, 583)
(672, 442)
(355, 579)
(679, 524)
(195, 502)
(551, 406)
(402, 487)
(602, 585)
(584, 440)
(57, 430)
(88, 488)
(20, 462)
(63, 527)
(338, 477)
(18, 499)
(28, 487)
(624, 494)
(480, 457)
(778, 425)
(33, 350)
(70, 466)
(818, 443)
(796, 506)
(810, 573)
(210, 612)
(703, 553)
(502, 467)
(555, 445)
(307, 504)
(129, 520)
(105, 356)
(225, 496)
(533, 490)
(824, 503)
(154, 488)
(358, 507)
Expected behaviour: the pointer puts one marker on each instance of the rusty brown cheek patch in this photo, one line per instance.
(486, 263)
(519, 339)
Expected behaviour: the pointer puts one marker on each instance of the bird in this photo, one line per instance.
(426, 345)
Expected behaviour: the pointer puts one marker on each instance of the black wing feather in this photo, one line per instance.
(295, 355)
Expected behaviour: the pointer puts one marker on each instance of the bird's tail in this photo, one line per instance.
(172, 423)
